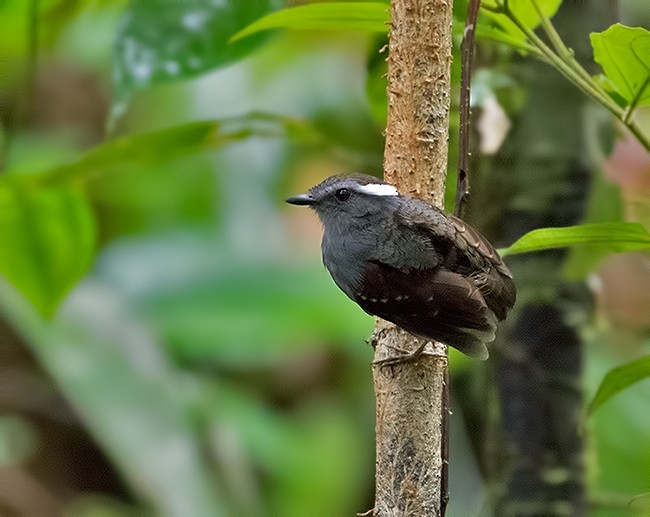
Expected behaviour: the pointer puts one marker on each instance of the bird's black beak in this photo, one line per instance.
(301, 199)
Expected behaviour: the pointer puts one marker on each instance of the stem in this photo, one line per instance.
(555, 38)
(466, 54)
(630, 109)
(640, 135)
(566, 64)
(32, 63)
(23, 102)
(587, 86)
(565, 53)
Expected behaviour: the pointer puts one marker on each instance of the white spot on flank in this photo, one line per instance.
(378, 189)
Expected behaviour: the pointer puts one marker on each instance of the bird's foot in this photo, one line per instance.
(407, 357)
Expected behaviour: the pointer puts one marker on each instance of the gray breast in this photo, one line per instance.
(344, 255)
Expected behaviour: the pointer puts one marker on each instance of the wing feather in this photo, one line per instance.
(465, 251)
(434, 303)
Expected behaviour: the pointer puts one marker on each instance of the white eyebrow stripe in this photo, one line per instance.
(378, 189)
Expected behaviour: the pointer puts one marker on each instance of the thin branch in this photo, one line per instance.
(565, 69)
(21, 105)
(446, 414)
(549, 28)
(466, 55)
(32, 56)
(563, 51)
(629, 111)
(565, 63)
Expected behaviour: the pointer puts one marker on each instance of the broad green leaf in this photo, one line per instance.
(162, 145)
(604, 205)
(47, 239)
(166, 144)
(624, 54)
(617, 237)
(524, 11)
(359, 16)
(161, 41)
(619, 379)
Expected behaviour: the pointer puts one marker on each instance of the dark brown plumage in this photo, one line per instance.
(459, 301)
(410, 263)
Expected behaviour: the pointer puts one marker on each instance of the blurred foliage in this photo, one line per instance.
(202, 345)
(197, 37)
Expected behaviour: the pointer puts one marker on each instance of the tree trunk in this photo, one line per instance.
(412, 407)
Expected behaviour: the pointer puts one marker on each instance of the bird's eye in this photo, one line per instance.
(342, 194)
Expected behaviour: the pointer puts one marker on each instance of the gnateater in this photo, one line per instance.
(410, 263)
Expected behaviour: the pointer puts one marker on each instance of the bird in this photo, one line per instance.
(411, 263)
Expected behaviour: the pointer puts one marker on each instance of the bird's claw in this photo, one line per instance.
(408, 357)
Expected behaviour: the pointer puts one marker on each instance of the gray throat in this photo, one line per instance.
(349, 243)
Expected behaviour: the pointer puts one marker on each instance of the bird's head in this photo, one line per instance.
(349, 197)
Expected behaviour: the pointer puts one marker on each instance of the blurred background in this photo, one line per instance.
(170, 343)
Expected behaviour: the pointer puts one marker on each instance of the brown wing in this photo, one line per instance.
(465, 251)
(434, 303)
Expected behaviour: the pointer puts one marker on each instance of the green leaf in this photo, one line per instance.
(624, 54)
(618, 379)
(358, 16)
(523, 10)
(604, 205)
(161, 41)
(47, 240)
(162, 145)
(167, 144)
(617, 237)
